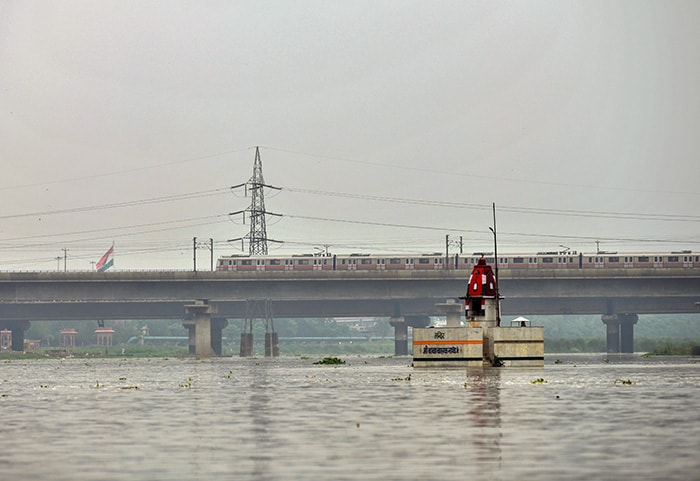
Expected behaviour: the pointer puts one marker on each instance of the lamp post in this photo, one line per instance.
(495, 254)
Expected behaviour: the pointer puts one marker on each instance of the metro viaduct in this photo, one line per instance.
(205, 300)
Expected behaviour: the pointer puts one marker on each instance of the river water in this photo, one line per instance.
(584, 417)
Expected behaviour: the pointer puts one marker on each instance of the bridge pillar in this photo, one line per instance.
(620, 332)
(401, 325)
(201, 310)
(189, 325)
(218, 324)
(400, 335)
(272, 344)
(453, 312)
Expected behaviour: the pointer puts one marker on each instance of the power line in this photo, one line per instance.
(522, 234)
(506, 208)
(125, 171)
(472, 175)
(115, 205)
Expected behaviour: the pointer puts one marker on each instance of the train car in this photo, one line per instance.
(239, 263)
(437, 261)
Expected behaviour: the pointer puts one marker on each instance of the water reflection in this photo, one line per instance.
(261, 424)
(484, 385)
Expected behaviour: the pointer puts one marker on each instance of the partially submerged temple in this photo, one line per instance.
(480, 340)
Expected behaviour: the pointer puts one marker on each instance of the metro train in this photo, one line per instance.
(438, 261)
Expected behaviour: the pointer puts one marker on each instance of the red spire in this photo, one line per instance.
(482, 281)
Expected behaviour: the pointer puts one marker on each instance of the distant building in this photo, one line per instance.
(104, 336)
(5, 339)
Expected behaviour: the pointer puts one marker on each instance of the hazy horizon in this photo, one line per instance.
(387, 125)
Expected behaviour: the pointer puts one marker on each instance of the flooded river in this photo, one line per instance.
(581, 417)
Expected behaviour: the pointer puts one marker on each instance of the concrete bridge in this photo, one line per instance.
(407, 297)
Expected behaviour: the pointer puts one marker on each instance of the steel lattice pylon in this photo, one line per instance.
(258, 228)
(257, 237)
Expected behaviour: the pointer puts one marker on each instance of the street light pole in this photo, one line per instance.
(495, 254)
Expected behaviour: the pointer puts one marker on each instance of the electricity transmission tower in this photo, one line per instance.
(257, 237)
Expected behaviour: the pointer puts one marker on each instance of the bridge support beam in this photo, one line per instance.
(620, 332)
(201, 312)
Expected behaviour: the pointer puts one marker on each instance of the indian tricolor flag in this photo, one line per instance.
(106, 261)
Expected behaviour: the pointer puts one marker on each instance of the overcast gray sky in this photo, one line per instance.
(388, 124)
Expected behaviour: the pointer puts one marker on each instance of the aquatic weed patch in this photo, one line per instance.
(627, 382)
(330, 360)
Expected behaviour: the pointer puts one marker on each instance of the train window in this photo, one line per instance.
(643, 258)
(303, 262)
(547, 260)
(380, 262)
(672, 258)
(365, 261)
(395, 261)
(274, 262)
(423, 260)
(518, 260)
(613, 259)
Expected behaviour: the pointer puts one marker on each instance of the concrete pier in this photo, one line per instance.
(246, 349)
(201, 312)
(448, 347)
(453, 311)
(272, 344)
(400, 335)
(401, 325)
(514, 346)
(218, 324)
(620, 332)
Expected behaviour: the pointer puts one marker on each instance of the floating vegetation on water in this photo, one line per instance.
(330, 360)
(624, 381)
(539, 380)
(407, 378)
(558, 361)
(129, 387)
(122, 379)
(186, 384)
(97, 383)
(229, 375)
